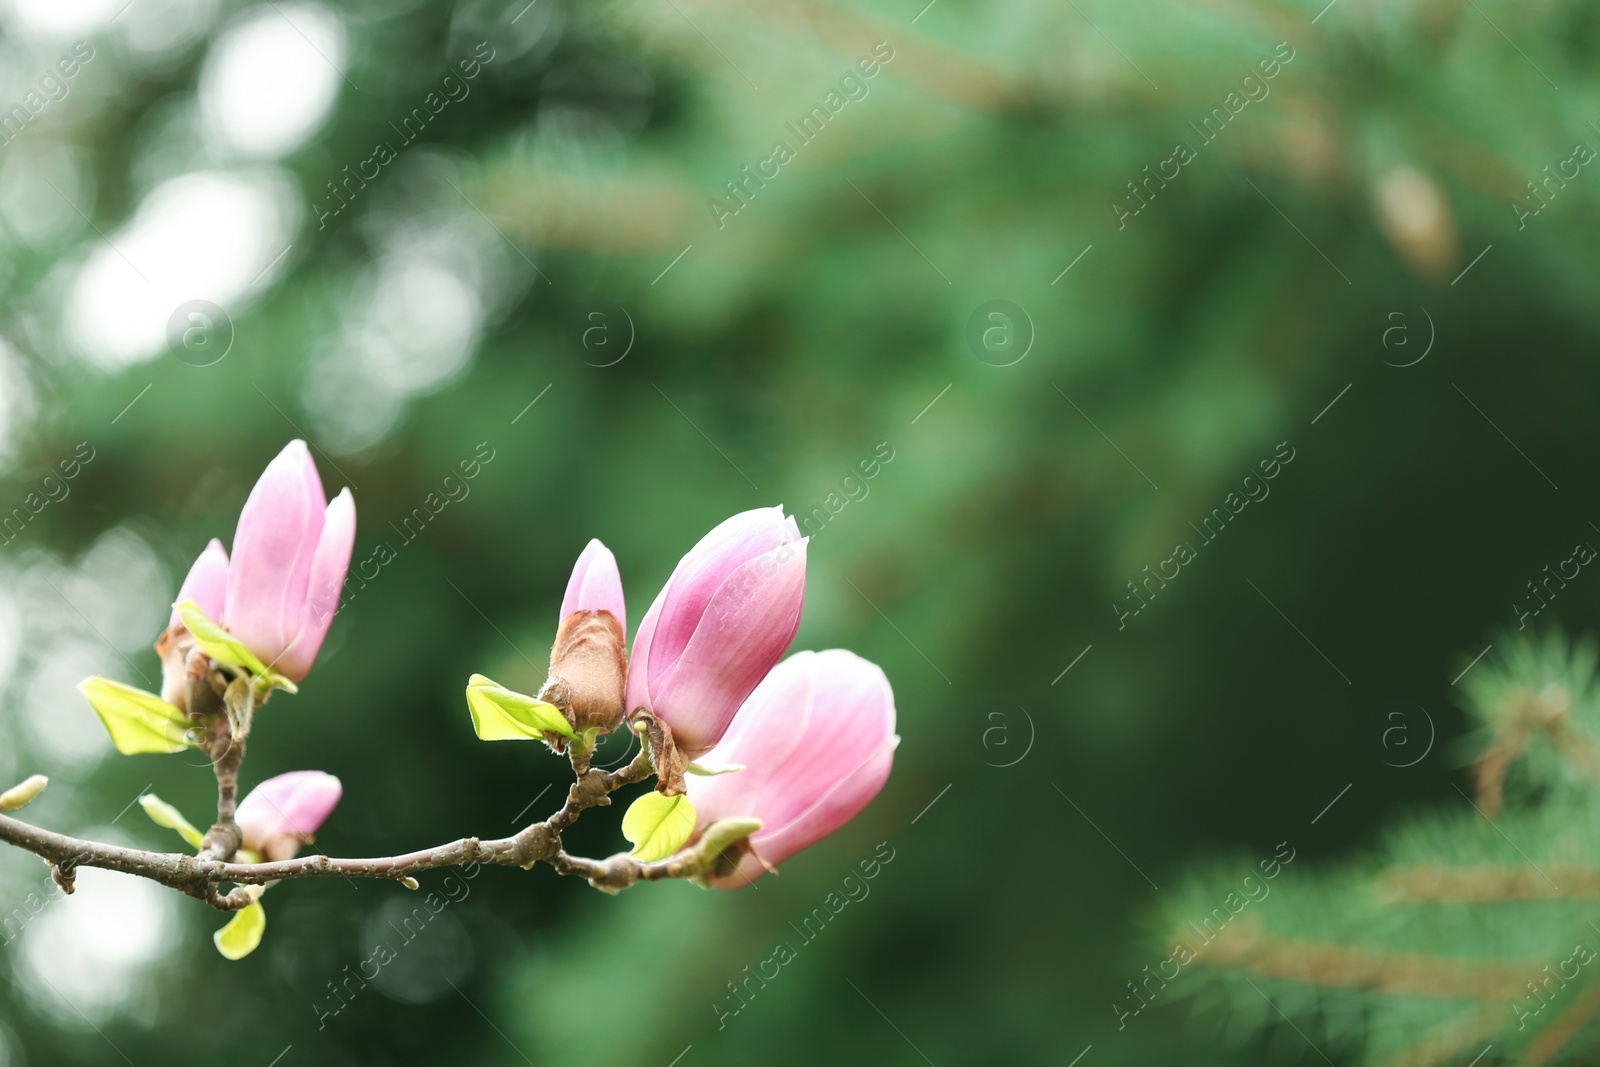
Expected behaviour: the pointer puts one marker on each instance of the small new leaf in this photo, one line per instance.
(243, 933)
(498, 714)
(657, 825)
(725, 832)
(220, 645)
(721, 846)
(163, 814)
(137, 721)
(21, 795)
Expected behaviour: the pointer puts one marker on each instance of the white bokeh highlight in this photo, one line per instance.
(82, 957)
(97, 616)
(59, 19)
(271, 79)
(214, 235)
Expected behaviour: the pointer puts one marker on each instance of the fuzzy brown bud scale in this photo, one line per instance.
(666, 757)
(589, 671)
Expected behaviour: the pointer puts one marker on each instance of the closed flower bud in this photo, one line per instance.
(724, 618)
(817, 741)
(283, 813)
(589, 660)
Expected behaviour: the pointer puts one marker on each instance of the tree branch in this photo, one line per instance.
(200, 876)
(1440, 884)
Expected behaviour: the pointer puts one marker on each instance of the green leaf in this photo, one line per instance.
(711, 772)
(724, 833)
(217, 643)
(137, 721)
(717, 839)
(658, 825)
(163, 814)
(243, 933)
(498, 714)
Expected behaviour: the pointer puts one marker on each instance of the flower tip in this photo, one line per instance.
(295, 453)
(595, 584)
(339, 522)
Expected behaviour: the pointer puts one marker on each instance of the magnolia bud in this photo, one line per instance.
(589, 670)
(283, 813)
(589, 660)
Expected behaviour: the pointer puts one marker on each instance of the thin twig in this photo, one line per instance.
(1340, 967)
(1564, 1027)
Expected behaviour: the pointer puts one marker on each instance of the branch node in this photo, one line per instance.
(65, 875)
(537, 842)
(615, 874)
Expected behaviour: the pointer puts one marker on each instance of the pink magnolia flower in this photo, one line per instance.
(817, 742)
(595, 585)
(285, 812)
(721, 622)
(278, 593)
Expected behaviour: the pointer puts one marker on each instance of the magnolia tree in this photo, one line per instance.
(753, 759)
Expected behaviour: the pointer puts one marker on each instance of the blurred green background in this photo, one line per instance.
(534, 269)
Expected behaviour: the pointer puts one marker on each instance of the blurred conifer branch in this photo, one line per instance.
(1473, 925)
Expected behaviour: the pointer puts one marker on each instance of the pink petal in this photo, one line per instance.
(704, 569)
(596, 584)
(851, 718)
(639, 657)
(766, 731)
(831, 811)
(272, 552)
(328, 567)
(207, 582)
(745, 630)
